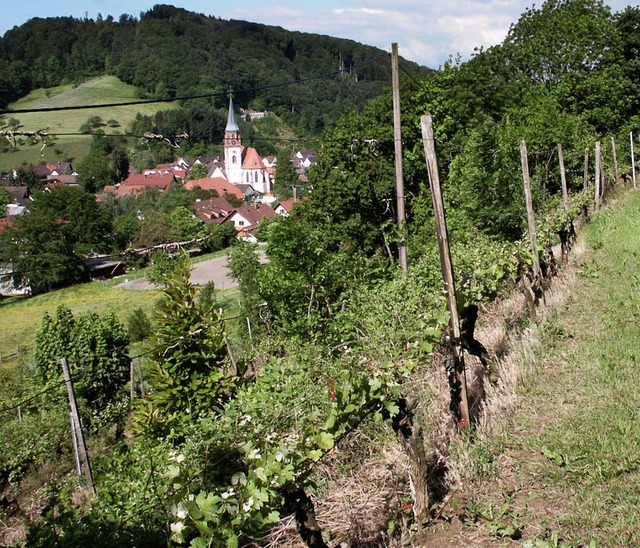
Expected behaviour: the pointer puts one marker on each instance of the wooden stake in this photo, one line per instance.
(447, 267)
(143, 392)
(397, 140)
(633, 160)
(615, 161)
(586, 168)
(598, 174)
(132, 379)
(530, 215)
(77, 428)
(563, 179)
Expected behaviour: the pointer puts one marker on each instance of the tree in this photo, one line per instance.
(198, 171)
(191, 374)
(47, 245)
(94, 347)
(94, 173)
(286, 177)
(5, 200)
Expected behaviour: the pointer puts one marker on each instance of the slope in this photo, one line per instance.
(560, 464)
(105, 89)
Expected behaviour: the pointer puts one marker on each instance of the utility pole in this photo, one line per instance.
(447, 269)
(397, 141)
(82, 455)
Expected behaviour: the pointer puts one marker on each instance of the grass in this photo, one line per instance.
(565, 470)
(102, 90)
(20, 317)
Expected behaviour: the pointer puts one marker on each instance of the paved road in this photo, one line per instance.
(212, 270)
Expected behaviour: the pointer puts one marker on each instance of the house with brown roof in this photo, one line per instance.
(213, 210)
(247, 218)
(284, 207)
(137, 183)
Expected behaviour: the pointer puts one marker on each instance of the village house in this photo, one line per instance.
(213, 210)
(136, 183)
(219, 184)
(247, 218)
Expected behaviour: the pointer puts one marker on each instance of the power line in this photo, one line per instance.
(190, 97)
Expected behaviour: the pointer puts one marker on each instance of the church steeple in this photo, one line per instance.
(232, 125)
(232, 147)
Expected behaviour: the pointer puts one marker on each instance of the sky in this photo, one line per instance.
(427, 31)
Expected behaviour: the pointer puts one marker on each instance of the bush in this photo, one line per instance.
(138, 325)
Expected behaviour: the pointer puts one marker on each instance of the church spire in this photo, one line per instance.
(232, 125)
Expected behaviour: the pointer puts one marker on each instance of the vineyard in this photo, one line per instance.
(336, 397)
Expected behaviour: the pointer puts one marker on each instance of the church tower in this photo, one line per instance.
(232, 148)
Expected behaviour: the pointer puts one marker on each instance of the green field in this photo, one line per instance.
(102, 90)
(20, 317)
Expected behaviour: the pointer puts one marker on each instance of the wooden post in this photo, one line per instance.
(447, 267)
(563, 179)
(77, 428)
(530, 216)
(598, 174)
(615, 161)
(249, 328)
(586, 169)
(397, 141)
(143, 392)
(633, 160)
(75, 444)
(132, 379)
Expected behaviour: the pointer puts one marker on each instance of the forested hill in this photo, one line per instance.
(170, 52)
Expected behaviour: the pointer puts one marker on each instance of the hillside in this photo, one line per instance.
(96, 91)
(170, 52)
(555, 462)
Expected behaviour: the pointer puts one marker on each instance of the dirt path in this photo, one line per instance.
(213, 270)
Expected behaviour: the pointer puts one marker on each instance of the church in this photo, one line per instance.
(243, 165)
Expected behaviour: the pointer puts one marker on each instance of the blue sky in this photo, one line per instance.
(427, 31)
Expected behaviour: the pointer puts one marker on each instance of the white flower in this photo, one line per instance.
(279, 456)
(180, 458)
(177, 527)
(245, 420)
(182, 511)
(228, 493)
(254, 454)
(247, 505)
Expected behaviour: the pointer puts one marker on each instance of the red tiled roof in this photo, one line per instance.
(157, 180)
(220, 185)
(252, 159)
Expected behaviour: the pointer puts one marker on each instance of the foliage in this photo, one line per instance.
(46, 246)
(5, 199)
(94, 347)
(190, 373)
(138, 325)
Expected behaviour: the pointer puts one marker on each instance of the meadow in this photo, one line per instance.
(102, 90)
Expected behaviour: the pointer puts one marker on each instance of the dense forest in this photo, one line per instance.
(329, 351)
(169, 52)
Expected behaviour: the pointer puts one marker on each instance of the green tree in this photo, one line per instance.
(94, 347)
(286, 177)
(46, 246)
(191, 373)
(5, 200)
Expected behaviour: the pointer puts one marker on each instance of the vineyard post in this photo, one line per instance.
(530, 216)
(77, 428)
(633, 160)
(586, 168)
(598, 173)
(615, 160)
(132, 378)
(563, 179)
(447, 267)
(74, 438)
(143, 392)
(397, 141)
